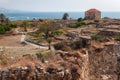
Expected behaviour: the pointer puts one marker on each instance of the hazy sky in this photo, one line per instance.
(61, 5)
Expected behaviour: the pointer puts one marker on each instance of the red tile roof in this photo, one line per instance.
(92, 10)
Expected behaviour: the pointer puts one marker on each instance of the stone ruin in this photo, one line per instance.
(104, 63)
(90, 64)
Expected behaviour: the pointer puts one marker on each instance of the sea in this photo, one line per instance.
(54, 15)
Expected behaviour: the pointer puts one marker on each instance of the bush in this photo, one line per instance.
(80, 23)
(3, 29)
(62, 46)
(116, 37)
(3, 61)
(79, 19)
(82, 43)
(57, 33)
(7, 28)
(76, 45)
(36, 35)
(44, 55)
(59, 46)
(13, 25)
(97, 37)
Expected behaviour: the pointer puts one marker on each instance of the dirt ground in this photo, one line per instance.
(11, 41)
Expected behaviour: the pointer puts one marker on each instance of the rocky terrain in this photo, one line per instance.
(93, 63)
(77, 52)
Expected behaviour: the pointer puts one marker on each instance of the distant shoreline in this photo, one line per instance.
(54, 15)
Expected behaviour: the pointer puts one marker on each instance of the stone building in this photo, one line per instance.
(93, 14)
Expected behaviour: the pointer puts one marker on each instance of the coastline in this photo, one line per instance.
(54, 15)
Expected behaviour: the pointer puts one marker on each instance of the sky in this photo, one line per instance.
(60, 5)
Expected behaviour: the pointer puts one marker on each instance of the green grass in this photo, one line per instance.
(97, 37)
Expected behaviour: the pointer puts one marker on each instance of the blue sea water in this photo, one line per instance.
(54, 15)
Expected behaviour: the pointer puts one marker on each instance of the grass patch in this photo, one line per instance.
(44, 54)
(97, 37)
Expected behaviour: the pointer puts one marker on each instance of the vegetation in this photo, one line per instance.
(2, 17)
(97, 37)
(47, 29)
(57, 32)
(5, 24)
(3, 61)
(80, 23)
(71, 45)
(79, 19)
(43, 55)
(4, 28)
(24, 24)
(62, 46)
(116, 37)
(49, 40)
(65, 16)
(76, 44)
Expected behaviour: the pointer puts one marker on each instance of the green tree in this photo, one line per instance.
(47, 29)
(65, 16)
(79, 19)
(2, 17)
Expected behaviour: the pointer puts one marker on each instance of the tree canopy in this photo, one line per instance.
(65, 16)
(47, 29)
(2, 17)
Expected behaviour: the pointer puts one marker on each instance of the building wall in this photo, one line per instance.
(93, 15)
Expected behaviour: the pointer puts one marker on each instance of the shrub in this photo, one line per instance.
(7, 28)
(82, 43)
(44, 55)
(39, 55)
(3, 61)
(116, 37)
(79, 19)
(57, 32)
(3, 29)
(62, 46)
(76, 44)
(97, 37)
(59, 46)
(80, 23)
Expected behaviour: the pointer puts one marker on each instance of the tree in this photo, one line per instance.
(47, 29)
(80, 22)
(24, 24)
(65, 16)
(79, 19)
(2, 17)
(7, 21)
(49, 40)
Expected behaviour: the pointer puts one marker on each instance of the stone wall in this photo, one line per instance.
(88, 64)
(93, 15)
(109, 33)
(103, 63)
